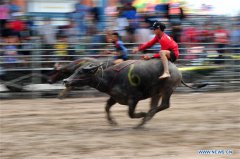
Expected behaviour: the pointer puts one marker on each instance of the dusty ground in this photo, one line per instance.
(77, 129)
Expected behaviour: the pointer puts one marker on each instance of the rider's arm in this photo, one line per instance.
(148, 44)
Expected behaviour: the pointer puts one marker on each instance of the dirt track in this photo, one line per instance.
(77, 129)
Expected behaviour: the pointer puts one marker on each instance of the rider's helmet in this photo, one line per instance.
(158, 25)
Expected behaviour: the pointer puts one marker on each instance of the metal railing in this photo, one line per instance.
(205, 64)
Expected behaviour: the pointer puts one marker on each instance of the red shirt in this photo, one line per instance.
(205, 35)
(190, 34)
(17, 25)
(221, 36)
(166, 42)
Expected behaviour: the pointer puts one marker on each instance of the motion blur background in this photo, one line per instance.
(35, 35)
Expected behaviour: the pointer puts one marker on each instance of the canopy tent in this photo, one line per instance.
(143, 5)
(212, 7)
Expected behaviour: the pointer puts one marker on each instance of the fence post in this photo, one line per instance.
(36, 65)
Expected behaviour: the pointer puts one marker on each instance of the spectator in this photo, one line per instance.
(129, 11)
(235, 38)
(13, 7)
(108, 40)
(108, 36)
(91, 25)
(121, 23)
(162, 9)
(121, 53)
(48, 32)
(143, 34)
(61, 47)
(17, 24)
(175, 16)
(79, 16)
(26, 44)
(93, 35)
(176, 31)
(111, 12)
(6, 30)
(205, 34)
(96, 12)
(48, 35)
(189, 38)
(175, 13)
(31, 26)
(189, 35)
(11, 49)
(221, 38)
(4, 15)
(131, 30)
(205, 37)
(72, 32)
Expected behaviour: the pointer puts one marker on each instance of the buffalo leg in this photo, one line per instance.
(64, 92)
(110, 103)
(154, 101)
(164, 105)
(131, 111)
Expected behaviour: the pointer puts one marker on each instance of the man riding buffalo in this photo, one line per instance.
(121, 52)
(169, 48)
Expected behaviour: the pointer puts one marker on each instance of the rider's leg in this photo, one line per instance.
(165, 55)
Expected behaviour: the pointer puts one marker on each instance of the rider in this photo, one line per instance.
(121, 53)
(169, 48)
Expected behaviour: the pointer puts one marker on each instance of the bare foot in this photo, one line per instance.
(164, 75)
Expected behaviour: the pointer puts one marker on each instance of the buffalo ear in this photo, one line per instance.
(90, 69)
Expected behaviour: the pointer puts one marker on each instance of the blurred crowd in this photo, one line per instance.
(86, 24)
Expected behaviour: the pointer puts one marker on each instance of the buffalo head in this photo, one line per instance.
(60, 72)
(63, 71)
(82, 76)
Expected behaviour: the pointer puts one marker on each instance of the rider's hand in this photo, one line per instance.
(116, 53)
(146, 57)
(135, 50)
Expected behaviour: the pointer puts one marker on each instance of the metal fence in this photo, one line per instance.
(201, 63)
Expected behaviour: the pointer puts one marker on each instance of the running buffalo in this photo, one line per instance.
(59, 73)
(129, 82)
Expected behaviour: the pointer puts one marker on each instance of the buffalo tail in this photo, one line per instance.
(195, 86)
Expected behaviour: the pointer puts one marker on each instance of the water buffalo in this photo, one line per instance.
(59, 73)
(129, 82)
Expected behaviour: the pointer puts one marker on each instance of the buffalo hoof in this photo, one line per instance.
(60, 97)
(139, 126)
(112, 122)
(148, 117)
(64, 93)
